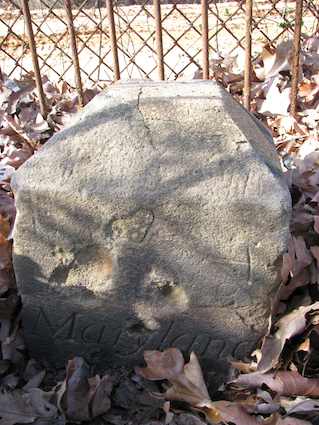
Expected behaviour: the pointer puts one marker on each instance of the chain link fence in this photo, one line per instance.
(94, 42)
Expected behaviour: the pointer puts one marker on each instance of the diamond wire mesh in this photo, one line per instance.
(136, 39)
(135, 27)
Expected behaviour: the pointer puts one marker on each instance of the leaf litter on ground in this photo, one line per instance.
(278, 384)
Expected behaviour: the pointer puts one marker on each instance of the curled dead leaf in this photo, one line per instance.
(288, 383)
(187, 379)
(288, 326)
(82, 398)
(24, 407)
(162, 365)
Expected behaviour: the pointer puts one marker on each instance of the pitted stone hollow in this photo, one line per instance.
(156, 219)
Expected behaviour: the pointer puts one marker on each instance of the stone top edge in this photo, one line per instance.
(139, 82)
(195, 88)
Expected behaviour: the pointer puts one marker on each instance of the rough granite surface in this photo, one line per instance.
(156, 219)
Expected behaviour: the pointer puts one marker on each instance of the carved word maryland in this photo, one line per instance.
(129, 340)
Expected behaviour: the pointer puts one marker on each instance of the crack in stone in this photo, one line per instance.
(150, 137)
(149, 226)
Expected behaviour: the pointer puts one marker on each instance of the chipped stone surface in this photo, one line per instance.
(156, 219)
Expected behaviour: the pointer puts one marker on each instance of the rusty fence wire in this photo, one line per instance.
(94, 42)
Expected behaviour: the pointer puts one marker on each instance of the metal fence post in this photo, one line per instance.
(75, 56)
(204, 12)
(110, 14)
(247, 70)
(295, 57)
(159, 39)
(35, 62)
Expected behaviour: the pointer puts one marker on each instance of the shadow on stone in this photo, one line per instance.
(153, 221)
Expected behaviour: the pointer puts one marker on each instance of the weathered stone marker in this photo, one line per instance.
(155, 220)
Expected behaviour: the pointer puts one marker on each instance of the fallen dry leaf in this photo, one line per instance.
(277, 101)
(187, 379)
(15, 154)
(76, 397)
(277, 420)
(276, 59)
(100, 392)
(300, 405)
(162, 365)
(24, 407)
(82, 398)
(233, 413)
(286, 383)
(288, 326)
